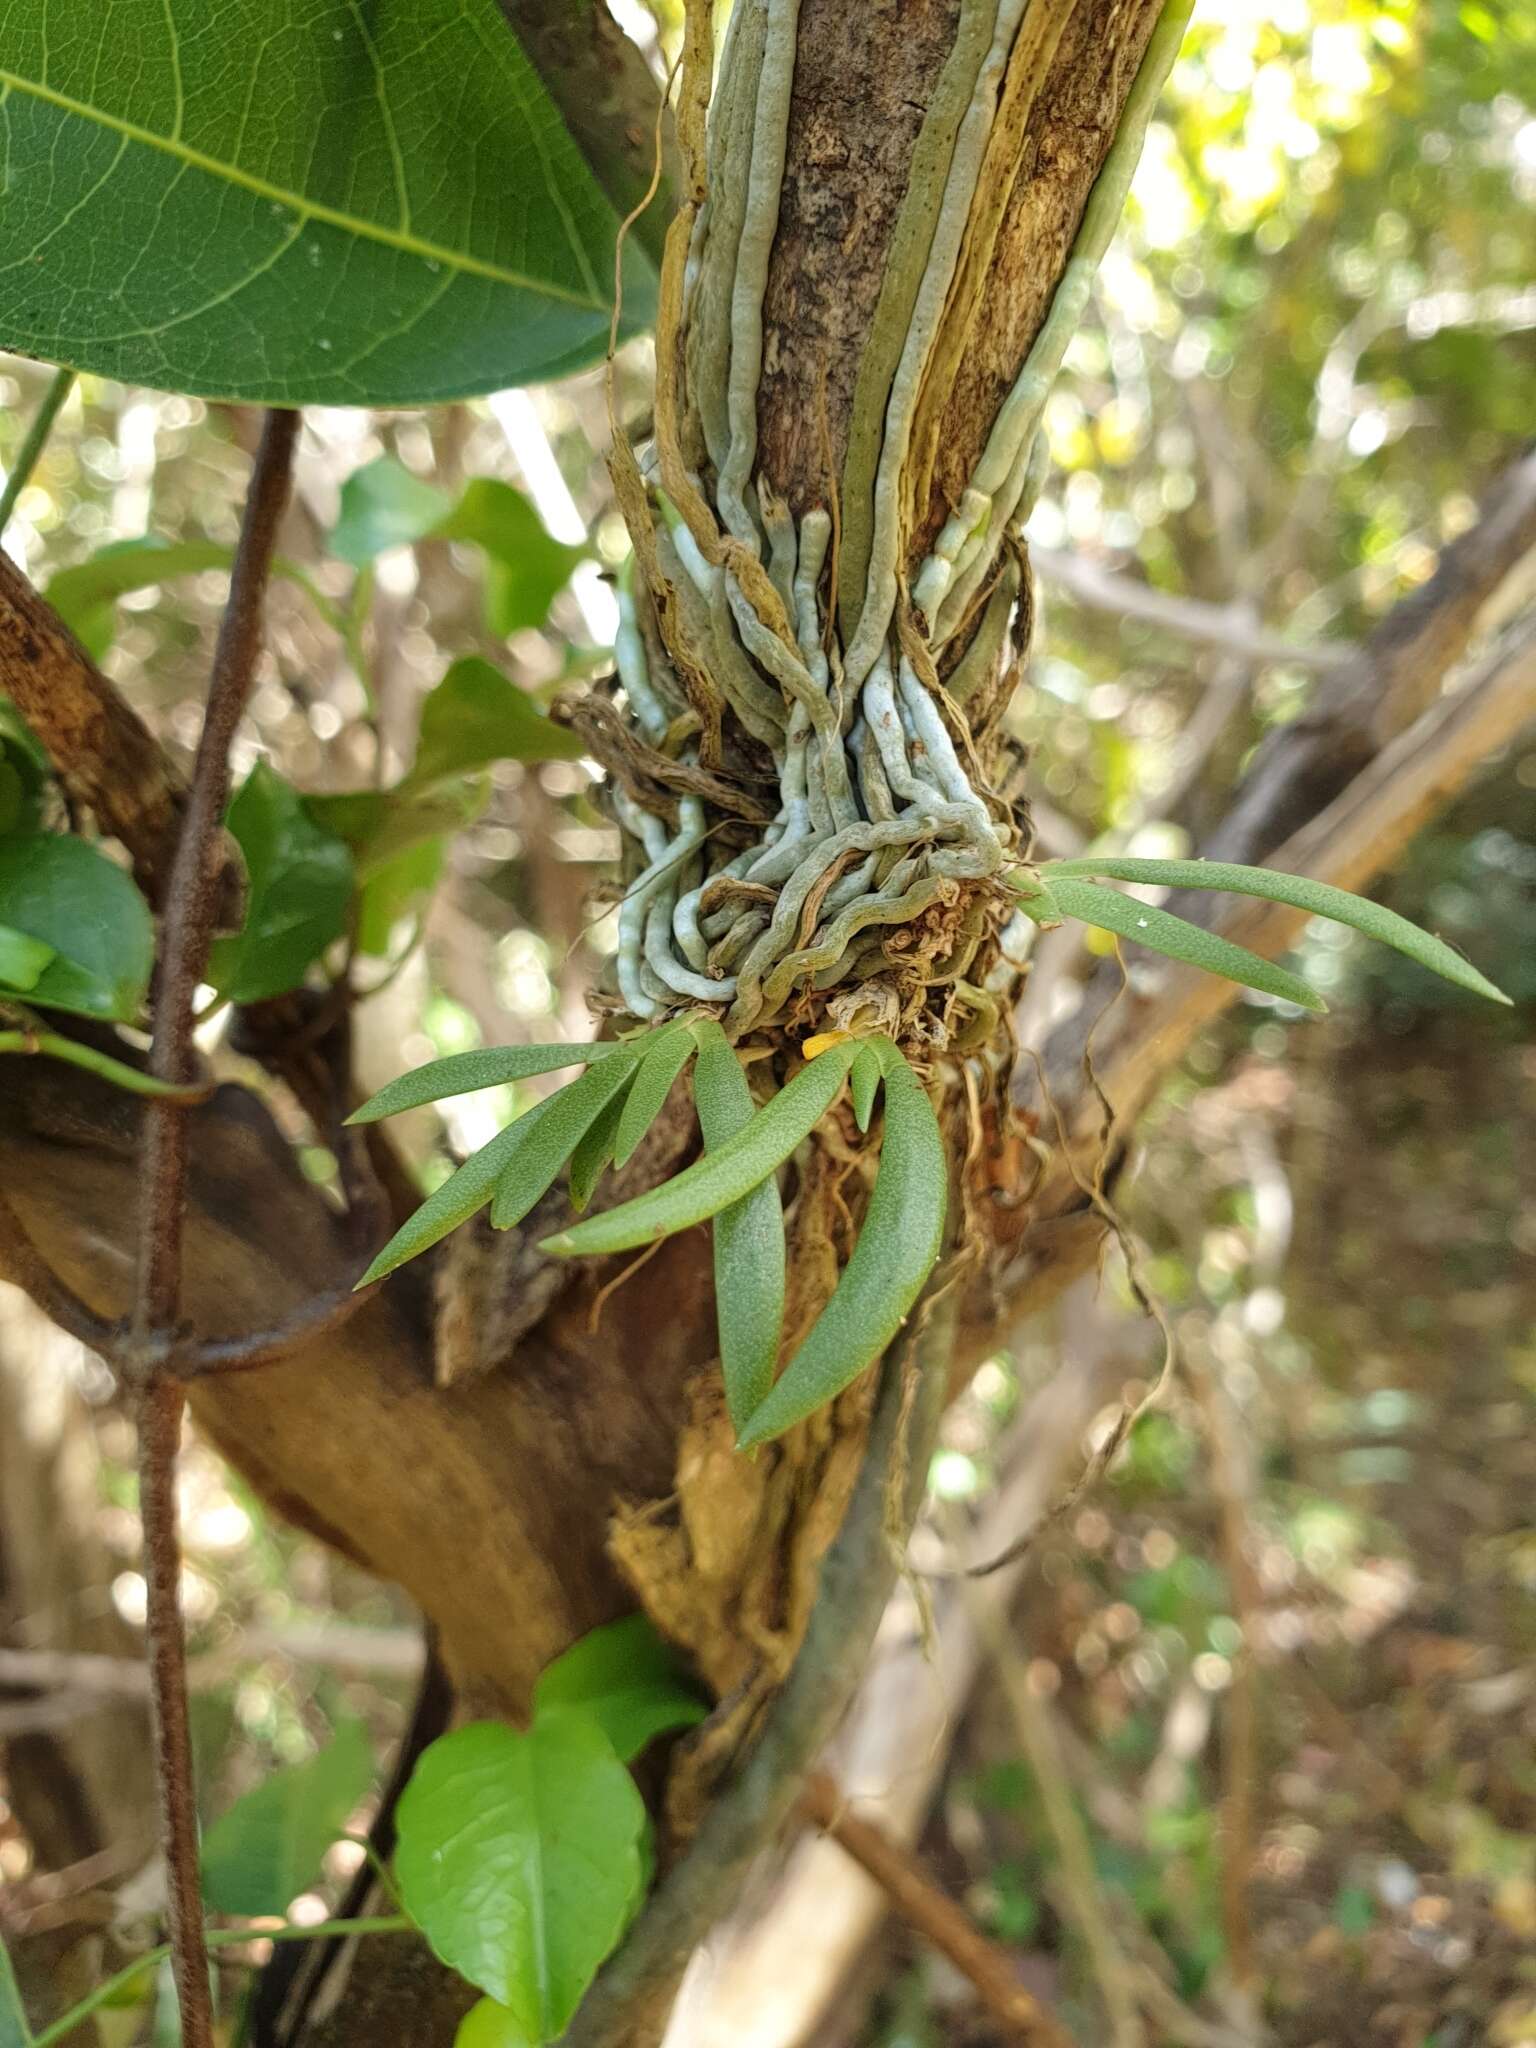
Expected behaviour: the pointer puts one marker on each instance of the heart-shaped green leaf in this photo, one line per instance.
(722, 1176)
(628, 1679)
(461, 1073)
(60, 892)
(315, 205)
(551, 1134)
(299, 887)
(475, 716)
(749, 1234)
(666, 1054)
(1177, 939)
(260, 1854)
(520, 1860)
(525, 565)
(1318, 899)
(384, 506)
(896, 1251)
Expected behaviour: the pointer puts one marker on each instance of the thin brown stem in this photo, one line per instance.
(186, 933)
(935, 1916)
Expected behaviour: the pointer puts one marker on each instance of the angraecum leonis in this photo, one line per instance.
(804, 733)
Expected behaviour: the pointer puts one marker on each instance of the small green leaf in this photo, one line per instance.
(863, 1083)
(392, 890)
(299, 887)
(722, 1176)
(14, 2031)
(475, 716)
(489, 2025)
(62, 893)
(22, 960)
(525, 567)
(551, 1134)
(260, 1854)
(1177, 939)
(628, 1679)
(665, 1057)
(461, 1073)
(519, 1858)
(383, 506)
(896, 1251)
(595, 1152)
(381, 824)
(749, 1234)
(1319, 899)
(85, 595)
(24, 773)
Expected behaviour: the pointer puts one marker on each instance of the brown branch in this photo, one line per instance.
(186, 934)
(103, 753)
(935, 1916)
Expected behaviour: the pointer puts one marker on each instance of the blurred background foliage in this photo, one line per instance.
(1312, 346)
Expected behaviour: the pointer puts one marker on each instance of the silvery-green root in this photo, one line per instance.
(867, 897)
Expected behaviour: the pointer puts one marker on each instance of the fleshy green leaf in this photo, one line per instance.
(407, 221)
(477, 715)
(720, 1177)
(299, 887)
(461, 1073)
(519, 1858)
(551, 1134)
(14, 2031)
(1319, 899)
(896, 1250)
(266, 1849)
(489, 2025)
(1177, 939)
(863, 1083)
(459, 1197)
(664, 1058)
(595, 1152)
(384, 506)
(22, 960)
(525, 566)
(628, 1679)
(64, 894)
(749, 1235)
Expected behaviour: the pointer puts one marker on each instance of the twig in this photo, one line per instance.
(253, 1348)
(935, 1916)
(855, 1583)
(35, 442)
(186, 933)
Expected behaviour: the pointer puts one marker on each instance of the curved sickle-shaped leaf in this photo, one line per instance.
(298, 205)
(896, 1251)
(1319, 899)
(463, 1072)
(668, 1052)
(1176, 938)
(595, 1152)
(552, 1135)
(863, 1083)
(749, 1235)
(720, 1177)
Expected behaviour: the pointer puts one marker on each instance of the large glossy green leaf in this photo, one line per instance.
(477, 715)
(298, 887)
(296, 201)
(260, 1854)
(722, 1176)
(896, 1250)
(1318, 899)
(749, 1235)
(1174, 937)
(628, 1679)
(520, 1859)
(461, 1073)
(64, 894)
